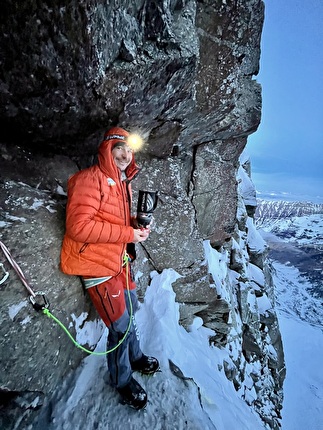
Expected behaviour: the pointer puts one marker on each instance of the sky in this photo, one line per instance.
(286, 152)
(194, 393)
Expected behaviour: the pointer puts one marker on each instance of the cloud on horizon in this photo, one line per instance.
(289, 187)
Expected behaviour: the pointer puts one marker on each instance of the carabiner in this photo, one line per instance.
(38, 306)
(5, 274)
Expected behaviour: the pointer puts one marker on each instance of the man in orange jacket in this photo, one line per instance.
(99, 246)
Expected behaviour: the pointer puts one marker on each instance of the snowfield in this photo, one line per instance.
(191, 392)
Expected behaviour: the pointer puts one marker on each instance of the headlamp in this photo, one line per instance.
(135, 141)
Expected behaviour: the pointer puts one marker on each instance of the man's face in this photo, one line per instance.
(122, 155)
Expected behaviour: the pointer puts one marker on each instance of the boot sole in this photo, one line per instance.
(136, 408)
(147, 372)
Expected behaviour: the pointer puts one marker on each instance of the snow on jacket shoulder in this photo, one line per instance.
(97, 221)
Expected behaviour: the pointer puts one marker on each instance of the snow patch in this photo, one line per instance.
(14, 309)
(87, 332)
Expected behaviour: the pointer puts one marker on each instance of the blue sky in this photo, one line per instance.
(287, 150)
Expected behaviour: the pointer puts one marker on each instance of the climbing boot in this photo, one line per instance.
(133, 395)
(146, 365)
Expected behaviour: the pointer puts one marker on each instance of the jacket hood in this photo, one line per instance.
(105, 159)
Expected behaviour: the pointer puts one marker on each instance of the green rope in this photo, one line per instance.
(50, 315)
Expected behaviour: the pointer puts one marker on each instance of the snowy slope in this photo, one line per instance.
(191, 391)
(295, 240)
(294, 234)
(301, 323)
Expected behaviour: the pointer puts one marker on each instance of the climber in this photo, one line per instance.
(99, 246)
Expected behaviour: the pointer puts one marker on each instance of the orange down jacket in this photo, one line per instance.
(98, 217)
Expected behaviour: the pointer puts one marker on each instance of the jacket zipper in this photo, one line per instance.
(124, 189)
(83, 247)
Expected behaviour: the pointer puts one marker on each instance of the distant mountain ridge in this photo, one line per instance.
(268, 211)
(293, 232)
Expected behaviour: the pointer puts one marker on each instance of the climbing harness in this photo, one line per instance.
(44, 307)
(50, 315)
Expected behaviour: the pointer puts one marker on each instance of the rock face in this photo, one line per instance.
(180, 72)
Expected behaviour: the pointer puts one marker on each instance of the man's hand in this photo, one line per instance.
(140, 235)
